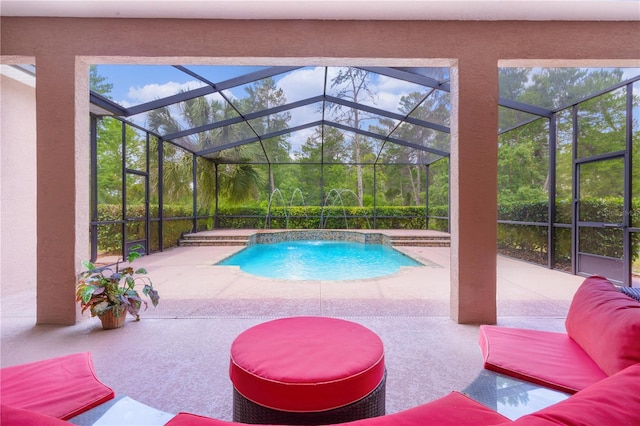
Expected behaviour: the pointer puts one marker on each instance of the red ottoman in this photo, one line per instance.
(307, 370)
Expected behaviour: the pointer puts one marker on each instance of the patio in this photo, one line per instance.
(176, 358)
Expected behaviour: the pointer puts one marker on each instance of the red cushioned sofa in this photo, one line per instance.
(61, 387)
(602, 338)
(612, 401)
(598, 360)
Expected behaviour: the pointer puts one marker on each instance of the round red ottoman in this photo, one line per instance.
(307, 370)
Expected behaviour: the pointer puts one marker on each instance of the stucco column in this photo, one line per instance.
(62, 236)
(474, 166)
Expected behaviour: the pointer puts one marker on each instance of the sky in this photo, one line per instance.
(136, 84)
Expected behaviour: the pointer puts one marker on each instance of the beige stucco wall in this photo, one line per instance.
(64, 47)
(17, 186)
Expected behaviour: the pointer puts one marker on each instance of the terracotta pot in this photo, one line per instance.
(110, 320)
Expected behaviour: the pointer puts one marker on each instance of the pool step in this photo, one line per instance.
(421, 241)
(210, 242)
(200, 239)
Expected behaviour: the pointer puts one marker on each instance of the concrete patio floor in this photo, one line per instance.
(176, 358)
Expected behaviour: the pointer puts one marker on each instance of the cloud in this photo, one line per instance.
(298, 139)
(302, 84)
(151, 92)
(386, 101)
(394, 85)
(296, 85)
(628, 73)
(389, 92)
(308, 82)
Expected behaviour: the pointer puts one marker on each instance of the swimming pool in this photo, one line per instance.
(319, 260)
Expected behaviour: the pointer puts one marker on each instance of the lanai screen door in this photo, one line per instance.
(599, 222)
(602, 164)
(136, 219)
(136, 192)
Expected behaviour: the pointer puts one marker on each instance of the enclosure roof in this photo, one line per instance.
(265, 105)
(383, 106)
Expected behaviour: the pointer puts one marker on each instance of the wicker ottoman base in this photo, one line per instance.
(372, 405)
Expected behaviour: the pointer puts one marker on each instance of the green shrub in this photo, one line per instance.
(110, 235)
(529, 242)
(315, 217)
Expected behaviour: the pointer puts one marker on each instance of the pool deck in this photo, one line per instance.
(176, 358)
(217, 290)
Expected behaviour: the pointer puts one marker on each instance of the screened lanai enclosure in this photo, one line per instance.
(183, 148)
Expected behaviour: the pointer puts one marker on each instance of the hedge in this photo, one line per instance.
(331, 217)
(252, 217)
(110, 235)
(529, 242)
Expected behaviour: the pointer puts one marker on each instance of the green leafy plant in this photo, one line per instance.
(101, 289)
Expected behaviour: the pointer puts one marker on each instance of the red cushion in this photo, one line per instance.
(606, 324)
(12, 416)
(613, 401)
(546, 358)
(306, 364)
(60, 387)
(454, 409)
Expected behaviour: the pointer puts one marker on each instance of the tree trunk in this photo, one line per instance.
(356, 143)
(272, 180)
(415, 185)
(359, 172)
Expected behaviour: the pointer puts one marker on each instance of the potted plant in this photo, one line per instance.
(109, 294)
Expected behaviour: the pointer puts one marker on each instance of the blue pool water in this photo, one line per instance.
(319, 260)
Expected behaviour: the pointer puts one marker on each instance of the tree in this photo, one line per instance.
(408, 183)
(523, 164)
(237, 181)
(109, 164)
(523, 152)
(97, 82)
(439, 179)
(511, 85)
(264, 95)
(353, 84)
(323, 152)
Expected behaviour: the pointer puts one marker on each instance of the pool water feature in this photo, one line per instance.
(319, 260)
